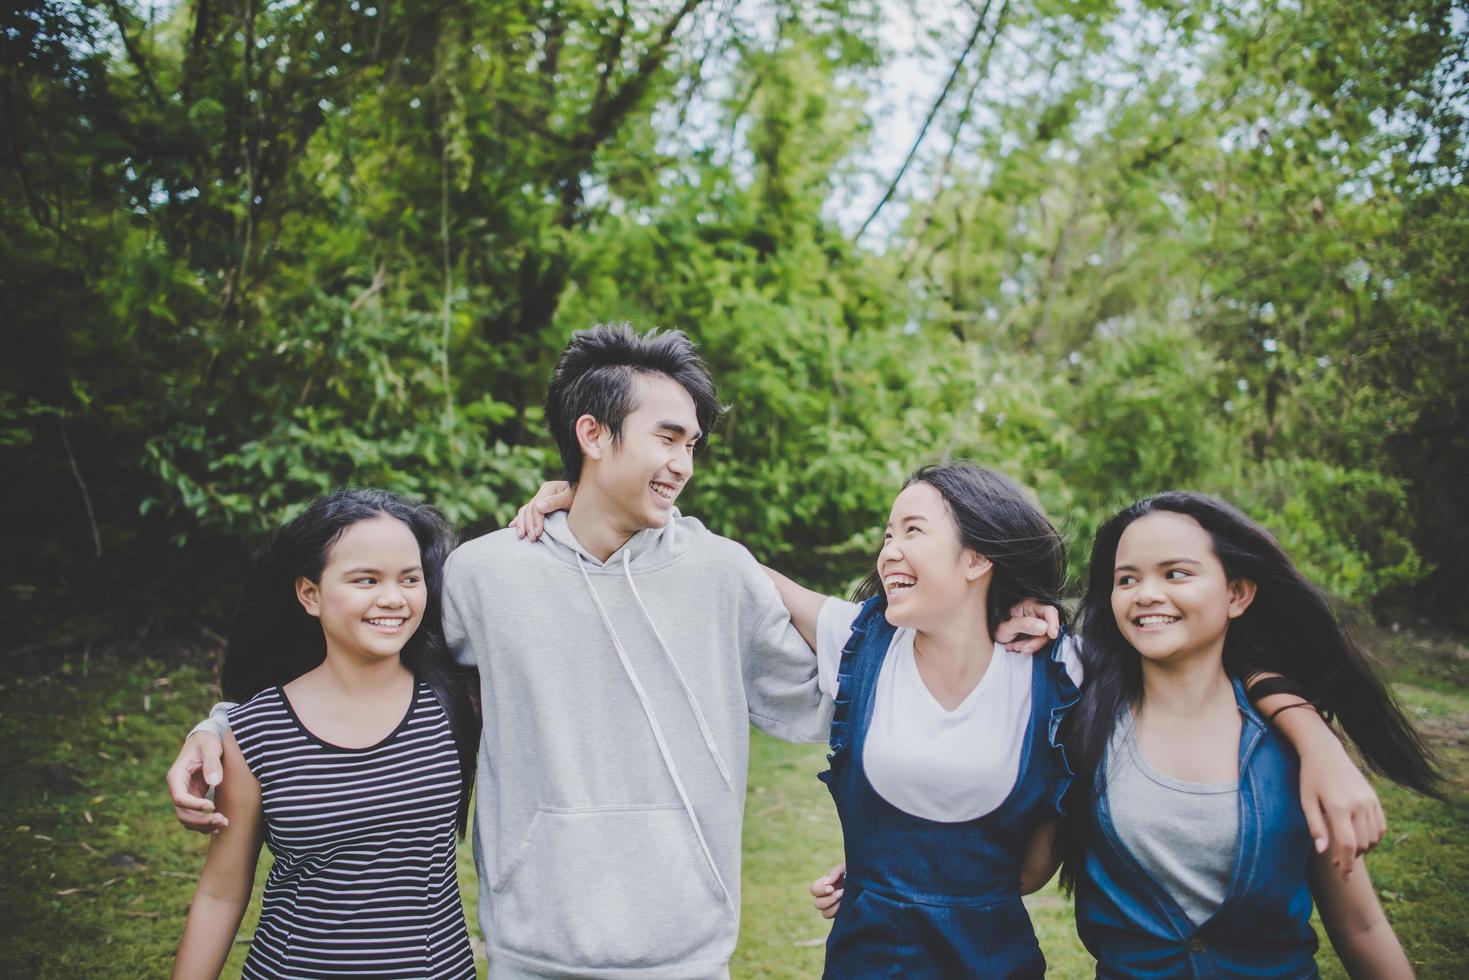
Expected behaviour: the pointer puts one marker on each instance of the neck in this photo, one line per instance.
(363, 676)
(1188, 688)
(597, 525)
(963, 640)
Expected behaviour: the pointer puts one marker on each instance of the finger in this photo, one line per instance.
(200, 822)
(828, 901)
(1052, 617)
(1363, 827)
(518, 522)
(1343, 842)
(1381, 822)
(213, 763)
(1316, 824)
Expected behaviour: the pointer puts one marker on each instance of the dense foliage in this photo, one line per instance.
(252, 250)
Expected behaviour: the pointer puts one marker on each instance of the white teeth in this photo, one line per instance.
(666, 492)
(389, 621)
(1156, 620)
(894, 582)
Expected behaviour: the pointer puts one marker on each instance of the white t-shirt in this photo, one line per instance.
(948, 766)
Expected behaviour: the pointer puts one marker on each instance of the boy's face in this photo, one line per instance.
(640, 475)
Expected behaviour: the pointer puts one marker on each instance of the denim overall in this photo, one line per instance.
(1134, 927)
(925, 898)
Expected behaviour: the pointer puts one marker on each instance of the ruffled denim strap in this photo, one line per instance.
(1066, 694)
(841, 721)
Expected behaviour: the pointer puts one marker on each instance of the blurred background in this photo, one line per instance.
(252, 250)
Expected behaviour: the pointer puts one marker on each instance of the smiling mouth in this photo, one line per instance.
(387, 622)
(1155, 620)
(898, 583)
(665, 490)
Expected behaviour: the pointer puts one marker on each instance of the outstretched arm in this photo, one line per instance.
(229, 872)
(1341, 808)
(1354, 920)
(803, 604)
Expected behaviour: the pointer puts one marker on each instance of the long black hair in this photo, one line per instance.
(995, 518)
(1289, 629)
(273, 640)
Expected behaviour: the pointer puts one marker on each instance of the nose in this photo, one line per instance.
(890, 552)
(391, 596)
(1149, 591)
(681, 462)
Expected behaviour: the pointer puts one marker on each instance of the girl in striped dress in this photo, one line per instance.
(351, 755)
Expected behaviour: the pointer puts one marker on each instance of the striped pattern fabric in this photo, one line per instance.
(363, 883)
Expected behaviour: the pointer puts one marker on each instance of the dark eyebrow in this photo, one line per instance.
(677, 428)
(361, 569)
(907, 518)
(1170, 561)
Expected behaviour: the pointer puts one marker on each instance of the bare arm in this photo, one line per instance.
(1041, 858)
(1354, 920)
(803, 604)
(1342, 810)
(229, 872)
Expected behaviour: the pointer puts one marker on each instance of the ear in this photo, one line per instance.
(976, 566)
(308, 593)
(1241, 594)
(591, 435)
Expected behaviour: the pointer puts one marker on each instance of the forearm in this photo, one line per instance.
(1373, 952)
(208, 934)
(802, 603)
(1353, 917)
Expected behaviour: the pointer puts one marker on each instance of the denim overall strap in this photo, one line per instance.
(1134, 928)
(923, 897)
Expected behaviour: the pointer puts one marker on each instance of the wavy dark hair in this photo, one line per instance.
(1289, 629)
(272, 640)
(996, 518)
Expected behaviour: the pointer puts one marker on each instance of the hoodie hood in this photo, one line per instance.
(650, 547)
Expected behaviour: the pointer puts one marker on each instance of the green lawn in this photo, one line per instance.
(98, 877)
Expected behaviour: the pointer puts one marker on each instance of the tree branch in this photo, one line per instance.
(928, 121)
(77, 472)
(134, 55)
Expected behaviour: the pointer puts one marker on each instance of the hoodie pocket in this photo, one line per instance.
(611, 887)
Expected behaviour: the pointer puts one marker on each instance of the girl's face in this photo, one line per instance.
(371, 596)
(1170, 595)
(926, 571)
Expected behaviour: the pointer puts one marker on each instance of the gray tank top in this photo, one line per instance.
(1182, 833)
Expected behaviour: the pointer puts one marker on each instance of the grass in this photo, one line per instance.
(98, 877)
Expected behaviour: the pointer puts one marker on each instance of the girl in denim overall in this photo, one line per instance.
(1182, 840)
(944, 768)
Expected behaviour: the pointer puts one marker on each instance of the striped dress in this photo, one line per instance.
(363, 883)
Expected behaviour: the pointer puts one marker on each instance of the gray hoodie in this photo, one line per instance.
(617, 701)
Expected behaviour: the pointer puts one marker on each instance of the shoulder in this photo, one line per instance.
(695, 541)
(486, 551)
(265, 705)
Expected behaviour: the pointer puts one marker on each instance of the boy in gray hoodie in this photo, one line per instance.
(622, 658)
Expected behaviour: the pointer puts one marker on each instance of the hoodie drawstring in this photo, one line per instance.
(663, 750)
(667, 653)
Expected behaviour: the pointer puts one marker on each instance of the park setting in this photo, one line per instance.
(254, 251)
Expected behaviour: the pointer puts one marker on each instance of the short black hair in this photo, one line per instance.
(597, 376)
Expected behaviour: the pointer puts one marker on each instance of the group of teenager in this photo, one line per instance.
(591, 673)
